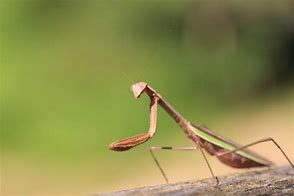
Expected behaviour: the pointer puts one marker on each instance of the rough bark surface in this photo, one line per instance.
(274, 181)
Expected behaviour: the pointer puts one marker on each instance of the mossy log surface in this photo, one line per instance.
(273, 181)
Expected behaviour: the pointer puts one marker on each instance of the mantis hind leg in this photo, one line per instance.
(267, 139)
(152, 149)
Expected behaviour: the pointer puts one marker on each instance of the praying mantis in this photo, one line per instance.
(225, 150)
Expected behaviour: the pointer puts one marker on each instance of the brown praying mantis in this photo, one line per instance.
(225, 150)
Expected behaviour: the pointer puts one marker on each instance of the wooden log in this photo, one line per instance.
(273, 181)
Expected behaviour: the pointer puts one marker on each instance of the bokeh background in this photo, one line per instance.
(66, 69)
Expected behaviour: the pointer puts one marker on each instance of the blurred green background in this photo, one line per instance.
(66, 69)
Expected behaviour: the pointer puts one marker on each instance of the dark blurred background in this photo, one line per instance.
(66, 69)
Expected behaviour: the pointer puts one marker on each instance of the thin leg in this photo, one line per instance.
(167, 148)
(267, 139)
(207, 163)
(181, 149)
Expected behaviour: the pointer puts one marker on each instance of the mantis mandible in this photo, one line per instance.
(226, 151)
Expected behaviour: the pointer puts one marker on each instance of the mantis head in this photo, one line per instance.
(138, 89)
